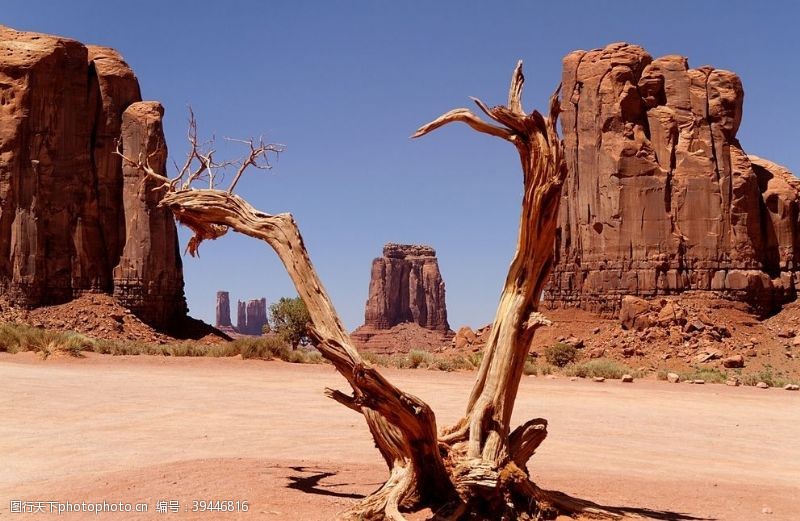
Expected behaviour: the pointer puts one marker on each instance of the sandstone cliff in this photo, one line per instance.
(223, 309)
(251, 316)
(660, 196)
(405, 287)
(70, 220)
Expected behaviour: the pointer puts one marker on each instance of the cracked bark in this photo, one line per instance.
(475, 469)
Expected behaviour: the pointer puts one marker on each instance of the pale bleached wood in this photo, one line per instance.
(475, 469)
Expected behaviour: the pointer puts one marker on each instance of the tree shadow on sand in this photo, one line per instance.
(631, 512)
(311, 484)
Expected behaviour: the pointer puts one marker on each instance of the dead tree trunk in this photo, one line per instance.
(475, 469)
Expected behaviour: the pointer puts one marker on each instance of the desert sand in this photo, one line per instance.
(153, 428)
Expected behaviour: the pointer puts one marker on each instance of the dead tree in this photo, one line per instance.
(477, 468)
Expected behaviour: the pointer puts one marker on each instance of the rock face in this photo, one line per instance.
(660, 197)
(406, 305)
(406, 286)
(251, 316)
(223, 309)
(71, 221)
(148, 279)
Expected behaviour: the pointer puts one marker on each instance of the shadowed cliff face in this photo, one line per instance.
(406, 286)
(70, 220)
(660, 196)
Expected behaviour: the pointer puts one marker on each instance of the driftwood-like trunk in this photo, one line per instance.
(475, 469)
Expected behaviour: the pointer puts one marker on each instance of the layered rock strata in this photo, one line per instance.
(71, 221)
(251, 316)
(223, 309)
(405, 287)
(660, 197)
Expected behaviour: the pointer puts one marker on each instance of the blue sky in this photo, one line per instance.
(343, 85)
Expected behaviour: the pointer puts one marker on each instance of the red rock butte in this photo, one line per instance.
(406, 286)
(73, 219)
(660, 197)
(406, 303)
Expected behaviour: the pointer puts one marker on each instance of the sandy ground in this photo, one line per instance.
(147, 429)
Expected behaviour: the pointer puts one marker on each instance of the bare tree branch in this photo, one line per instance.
(464, 116)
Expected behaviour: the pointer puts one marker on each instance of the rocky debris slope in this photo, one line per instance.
(72, 219)
(686, 332)
(467, 339)
(660, 197)
(405, 287)
(100, 316)
(401, 339)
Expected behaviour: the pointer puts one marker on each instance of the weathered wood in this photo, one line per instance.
(475, 469)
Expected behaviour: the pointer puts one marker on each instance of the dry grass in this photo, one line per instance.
(17, 337)
(602, 368)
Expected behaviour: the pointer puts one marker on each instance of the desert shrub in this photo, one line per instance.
(186, 349)
(768, 375)
(290, 319)
(221, 350)
(476, 359)
(444, 364)
(560, 354)
(707, 374)
(265, 348)
(603, 368)
(123, 347)
(11, 337)
(530, 368)
(461, 363)
(20, 337)
(419, 359)
(375, 359)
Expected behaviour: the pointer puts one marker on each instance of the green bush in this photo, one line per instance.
(560, 354)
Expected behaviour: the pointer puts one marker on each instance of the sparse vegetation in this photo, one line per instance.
(602, 368)
(419, 359)
(707, 374)
(560, 354)
(769, 376)
(18, 337)
(290, 321)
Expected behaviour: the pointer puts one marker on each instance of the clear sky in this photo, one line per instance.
(343, 84)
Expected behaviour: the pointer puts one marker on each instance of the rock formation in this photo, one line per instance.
(251, 316)
(405, 287)
(71, 221)
(223, 310)
(660, 196)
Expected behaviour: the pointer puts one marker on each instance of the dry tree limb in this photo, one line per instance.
(475, 469)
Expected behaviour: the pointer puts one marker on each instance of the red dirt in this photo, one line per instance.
(764, 344)
(100, 316)
(150, 428)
